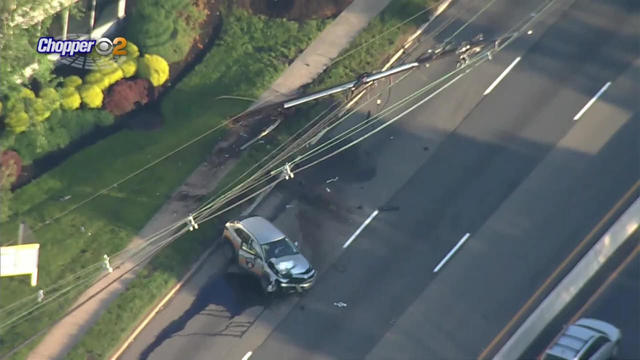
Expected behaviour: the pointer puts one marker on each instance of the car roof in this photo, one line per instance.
(262, 229)
(572, 341)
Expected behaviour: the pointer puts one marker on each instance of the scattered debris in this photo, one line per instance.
(391, 137)
(389, 208)
(359, 207)
(65, 198)
(529, 32)
(328, 190)
(288, 206)
(40, 295)
(331, 180)
(82, 229)
(378, 101)
(339, 304)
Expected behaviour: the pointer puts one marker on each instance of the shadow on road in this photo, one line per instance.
(225, 296)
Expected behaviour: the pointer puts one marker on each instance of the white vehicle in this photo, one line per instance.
(586, 339)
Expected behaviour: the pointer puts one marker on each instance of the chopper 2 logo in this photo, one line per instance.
(69, 48)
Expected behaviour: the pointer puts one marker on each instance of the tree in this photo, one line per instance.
(125, 94)
(17, 43)
(10, 167)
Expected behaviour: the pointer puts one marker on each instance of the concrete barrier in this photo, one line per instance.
(572, 283)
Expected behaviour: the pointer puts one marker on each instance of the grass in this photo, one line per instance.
(114, 217)
(375, 44)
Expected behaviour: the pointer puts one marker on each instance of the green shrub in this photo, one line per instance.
(72, 81)
(114, 75)
(39, 110)
(70, 98)
(17, 121)
(91, 95)
(129, 68)
(57, 132)
(154, 68)
(27, 94)
(132, 50)
(98, 79)
(167, 28)
(50, 97)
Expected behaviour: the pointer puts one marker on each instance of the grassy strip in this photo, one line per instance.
(106, 224)
(375, 43)
(126, 311)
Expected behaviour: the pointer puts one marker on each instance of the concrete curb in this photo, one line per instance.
(562, 294)
(161, 304)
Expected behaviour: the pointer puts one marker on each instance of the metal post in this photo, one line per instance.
(65, 23)
(122, 5)
(20, 233)
(92, 16)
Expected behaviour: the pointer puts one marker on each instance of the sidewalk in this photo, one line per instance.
(336, 37)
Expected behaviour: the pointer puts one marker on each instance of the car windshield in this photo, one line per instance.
(279, 248)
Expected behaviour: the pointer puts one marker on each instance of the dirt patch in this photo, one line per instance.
(295, 9)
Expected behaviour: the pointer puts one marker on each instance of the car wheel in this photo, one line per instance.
(269, 288)
(228, 251)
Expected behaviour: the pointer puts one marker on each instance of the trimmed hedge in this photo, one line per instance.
(154, 68)
(17, 121)
(129, 68)
(98, 79)
(72, 81)
(71, 99)
(91, 96)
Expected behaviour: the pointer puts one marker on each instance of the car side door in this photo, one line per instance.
(249, 254)
(600, 349)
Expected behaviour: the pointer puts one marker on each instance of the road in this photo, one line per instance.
(613, 295)
(511, 168)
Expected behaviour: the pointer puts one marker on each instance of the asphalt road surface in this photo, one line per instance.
(510, 167)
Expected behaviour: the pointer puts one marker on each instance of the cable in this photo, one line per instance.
(381, 34)
(478, 60)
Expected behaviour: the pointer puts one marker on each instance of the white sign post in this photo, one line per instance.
(20, 260)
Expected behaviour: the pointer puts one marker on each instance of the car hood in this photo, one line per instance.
(297, 263)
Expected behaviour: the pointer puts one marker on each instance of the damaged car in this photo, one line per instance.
(260, 248)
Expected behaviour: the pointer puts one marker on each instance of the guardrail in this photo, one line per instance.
(619, 232)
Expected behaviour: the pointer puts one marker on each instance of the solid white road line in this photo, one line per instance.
(593, 99)
(446, 258)
(504, 73)
(364, 224)
(247, 355)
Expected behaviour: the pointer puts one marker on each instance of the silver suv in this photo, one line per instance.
(586, 339)
(263, 250)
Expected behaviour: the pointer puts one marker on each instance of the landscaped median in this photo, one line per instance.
(168, 267)
(248, 56)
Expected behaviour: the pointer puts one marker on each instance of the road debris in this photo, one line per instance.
(331, 180)
(339, 304)
(328, 190)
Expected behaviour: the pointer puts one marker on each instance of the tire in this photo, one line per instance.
(228, 251)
